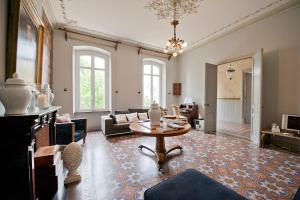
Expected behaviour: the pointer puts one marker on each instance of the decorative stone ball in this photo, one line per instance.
(72, 156)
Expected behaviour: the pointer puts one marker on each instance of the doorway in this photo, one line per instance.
(247, 93)
(234, 98)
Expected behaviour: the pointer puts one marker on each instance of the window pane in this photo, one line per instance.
(147, 91)
(156, 89)
(156, 70)
(85, 61)
(85, 89)
(99, 63)
(147, 69)
(99, 89)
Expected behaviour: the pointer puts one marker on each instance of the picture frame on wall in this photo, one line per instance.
(47, 50)
(24, 46)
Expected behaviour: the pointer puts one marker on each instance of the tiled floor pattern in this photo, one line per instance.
(116, 169)
(234, 129)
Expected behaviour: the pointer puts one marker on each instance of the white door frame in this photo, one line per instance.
(256, 100)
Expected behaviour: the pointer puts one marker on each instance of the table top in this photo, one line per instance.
(282, 133)
(175, 117)
(158, 131)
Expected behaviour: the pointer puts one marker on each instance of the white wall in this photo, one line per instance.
(279, 36)
(3, 28)
(126, 77)
(230, 110)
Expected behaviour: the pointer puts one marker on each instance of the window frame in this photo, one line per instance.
(93, 54)
(160, 66)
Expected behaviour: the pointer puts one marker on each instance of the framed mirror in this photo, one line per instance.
(24, 42)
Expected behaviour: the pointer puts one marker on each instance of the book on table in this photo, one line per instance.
(167, 126)
(148, 125)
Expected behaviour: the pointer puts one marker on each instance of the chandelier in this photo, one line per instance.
(229, 72)
(173, 9)
(174, 44)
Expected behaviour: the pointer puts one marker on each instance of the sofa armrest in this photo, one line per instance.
(80, 124)
(65, 132)
(106, 124)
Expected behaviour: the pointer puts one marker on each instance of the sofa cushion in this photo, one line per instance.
(143, 116)
(65, 118)
(121, 126)
(132, 117)
(113, 118)
(121, 118)
(78, 135)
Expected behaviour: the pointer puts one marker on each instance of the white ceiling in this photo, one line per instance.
(130, 20)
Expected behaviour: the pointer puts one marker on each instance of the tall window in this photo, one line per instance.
(91, 81)
(152, 84)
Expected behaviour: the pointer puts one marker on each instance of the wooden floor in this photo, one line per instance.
(234, 129)
(115, 168)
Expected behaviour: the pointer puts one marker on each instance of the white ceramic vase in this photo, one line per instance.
(72, 157)
(154, 114)
(15, 96)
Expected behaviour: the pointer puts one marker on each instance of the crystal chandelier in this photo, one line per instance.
(173, 9)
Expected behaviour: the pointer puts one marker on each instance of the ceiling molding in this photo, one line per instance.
(257, 15)
(68, 21)
(112, 43)
(242, 23)
(49, 12)
(107, 36)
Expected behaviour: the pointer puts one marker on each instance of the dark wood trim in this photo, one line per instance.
(116, 42)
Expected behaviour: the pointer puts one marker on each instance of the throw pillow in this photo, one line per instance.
(65, 118)
(121, 118)
(132, 117)
(143, 116)
(113, 118)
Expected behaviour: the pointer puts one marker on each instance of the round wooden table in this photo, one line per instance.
(160, 134)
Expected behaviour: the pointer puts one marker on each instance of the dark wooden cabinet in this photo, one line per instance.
(176, 88)
(189, 111)
(18, 134)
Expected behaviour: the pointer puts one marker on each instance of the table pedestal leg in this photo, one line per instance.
(160, 150)
(174, 148)
(144, 147)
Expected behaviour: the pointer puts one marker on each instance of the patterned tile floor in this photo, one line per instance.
(116, 169)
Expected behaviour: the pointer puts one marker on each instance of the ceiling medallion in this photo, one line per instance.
(173, 9)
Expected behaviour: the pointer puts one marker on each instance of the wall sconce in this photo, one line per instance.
(229, 72)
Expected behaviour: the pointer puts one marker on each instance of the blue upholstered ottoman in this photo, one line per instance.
(297, 195)
(190, 185)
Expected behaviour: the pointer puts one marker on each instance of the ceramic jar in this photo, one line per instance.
(15, 96)
(72, 157)
(154, 114)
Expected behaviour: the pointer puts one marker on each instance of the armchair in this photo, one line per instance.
(71, 131)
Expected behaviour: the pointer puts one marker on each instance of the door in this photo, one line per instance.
(256, 105)
(247, 98)
(210, 100)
